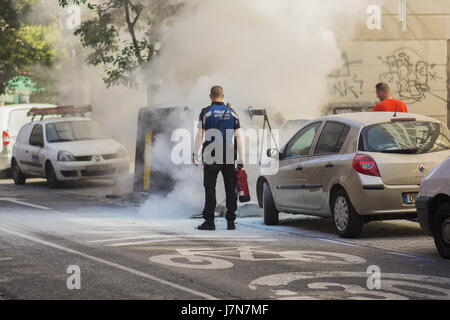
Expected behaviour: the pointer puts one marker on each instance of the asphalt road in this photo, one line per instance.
(47, 234)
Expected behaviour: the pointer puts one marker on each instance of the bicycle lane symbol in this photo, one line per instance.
(351, 285)
(218, 258)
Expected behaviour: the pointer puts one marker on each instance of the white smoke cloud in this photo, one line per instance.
(266, 53)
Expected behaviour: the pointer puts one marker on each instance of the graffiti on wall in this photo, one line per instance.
(344, 81)
(409, 75)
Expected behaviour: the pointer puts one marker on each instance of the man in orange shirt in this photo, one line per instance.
(387, 102)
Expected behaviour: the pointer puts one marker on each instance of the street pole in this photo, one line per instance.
(448, 82)
(148, 86)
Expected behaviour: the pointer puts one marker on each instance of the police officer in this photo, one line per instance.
(219, 130)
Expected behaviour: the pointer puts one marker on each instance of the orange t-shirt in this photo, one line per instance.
(391, 105)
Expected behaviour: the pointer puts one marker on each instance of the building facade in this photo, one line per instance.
(404, 43)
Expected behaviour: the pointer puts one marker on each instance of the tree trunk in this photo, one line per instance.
(131, 25)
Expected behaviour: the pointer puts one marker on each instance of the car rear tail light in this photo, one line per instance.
(365, 164)
(5, 136)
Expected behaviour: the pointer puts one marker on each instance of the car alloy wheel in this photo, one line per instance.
(51, 175)
(271, 214)
(52, 180)
(16, 173)
(341, 213)
(441, 229)
(446, 231)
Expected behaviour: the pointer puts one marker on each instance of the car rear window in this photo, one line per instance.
(409, 137)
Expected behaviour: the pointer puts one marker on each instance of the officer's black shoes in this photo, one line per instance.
(207, 226)
(211, 226)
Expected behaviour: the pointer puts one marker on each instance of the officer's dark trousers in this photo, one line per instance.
(209, 181)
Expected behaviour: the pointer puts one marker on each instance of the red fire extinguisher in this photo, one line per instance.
(242, 185)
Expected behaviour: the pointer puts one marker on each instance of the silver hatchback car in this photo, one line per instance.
(355, 168)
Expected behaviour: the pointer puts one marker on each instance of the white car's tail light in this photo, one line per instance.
(6, 138)
(365, 164)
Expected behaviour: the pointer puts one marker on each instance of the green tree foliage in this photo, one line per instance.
(23, 45)
(122, 35)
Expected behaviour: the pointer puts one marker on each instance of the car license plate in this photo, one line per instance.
(98, 168)
(410, 198)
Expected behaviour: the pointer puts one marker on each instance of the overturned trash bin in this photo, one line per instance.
(157, 123)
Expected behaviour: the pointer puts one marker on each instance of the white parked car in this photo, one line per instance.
(433, 206)
(12, 118)
(66, 149)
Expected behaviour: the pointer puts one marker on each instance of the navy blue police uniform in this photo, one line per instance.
(223, 119)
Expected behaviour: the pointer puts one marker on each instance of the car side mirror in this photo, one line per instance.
(273, 153)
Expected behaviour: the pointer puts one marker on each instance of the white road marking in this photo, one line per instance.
(210, 255)
(196, 262)
(126, 244)
(135, 243)
(130, 238)
(322, 257)
(290, 230)
(232, 239)
(339, 242)
(185, 236)
(168, 238)
(408, 255)
(323, 284)
(221, 237)
(111, 264)
(23, 203)
(319, 236)
(114, 232)
(6, 259)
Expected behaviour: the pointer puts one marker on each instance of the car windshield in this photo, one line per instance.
(408, 137)
(73, 131)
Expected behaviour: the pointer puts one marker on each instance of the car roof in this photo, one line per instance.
(61, 119)
(362, 119)
(26, 106)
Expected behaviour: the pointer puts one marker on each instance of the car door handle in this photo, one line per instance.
(299, 168)
(329, 165)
